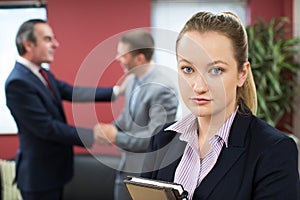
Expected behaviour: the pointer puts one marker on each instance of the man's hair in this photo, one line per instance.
(26, 32)
(139, 41)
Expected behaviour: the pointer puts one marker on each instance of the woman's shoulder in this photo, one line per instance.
(265, 129)
(267, 135)
(258, 130)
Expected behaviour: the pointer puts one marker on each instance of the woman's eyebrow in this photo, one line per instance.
(217, 62)
(186, 61)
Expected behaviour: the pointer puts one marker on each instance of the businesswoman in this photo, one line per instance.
(221, 150)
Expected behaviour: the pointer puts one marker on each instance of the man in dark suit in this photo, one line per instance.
(34, 97)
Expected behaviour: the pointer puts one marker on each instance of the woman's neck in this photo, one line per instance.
(208, 126)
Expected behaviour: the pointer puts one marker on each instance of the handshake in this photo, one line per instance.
(105, 133)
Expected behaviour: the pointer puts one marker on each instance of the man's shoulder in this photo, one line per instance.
(163, 72)
(163, 77)
(19, 73)
(19, 70)
(15, 72)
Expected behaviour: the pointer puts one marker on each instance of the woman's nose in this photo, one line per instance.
(200, 84)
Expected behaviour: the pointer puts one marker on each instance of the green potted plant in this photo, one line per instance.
(272, 57)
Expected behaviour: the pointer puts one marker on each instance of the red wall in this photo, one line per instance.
(81, 26)
(268, 9)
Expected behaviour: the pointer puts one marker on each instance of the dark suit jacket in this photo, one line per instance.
(259, 163)
(45, 156)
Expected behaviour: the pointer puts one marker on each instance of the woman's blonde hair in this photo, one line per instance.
(229, 25)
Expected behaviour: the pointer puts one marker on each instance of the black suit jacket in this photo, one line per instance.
(259, 163)
(45, 156)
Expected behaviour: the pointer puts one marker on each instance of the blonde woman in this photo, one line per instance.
(221, 150)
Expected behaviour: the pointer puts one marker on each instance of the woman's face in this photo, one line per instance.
(208, 74)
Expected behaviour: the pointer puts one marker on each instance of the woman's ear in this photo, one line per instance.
(243, 74)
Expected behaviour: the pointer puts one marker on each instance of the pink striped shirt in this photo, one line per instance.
(191, 170)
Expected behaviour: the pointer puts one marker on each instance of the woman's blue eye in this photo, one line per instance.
(187, 70)
(216, 71)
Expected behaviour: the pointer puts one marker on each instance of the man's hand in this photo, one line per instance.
(105, 133)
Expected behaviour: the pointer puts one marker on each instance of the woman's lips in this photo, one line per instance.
(200, 101)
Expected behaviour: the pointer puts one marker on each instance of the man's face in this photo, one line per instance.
(127, 60)
(43, 50)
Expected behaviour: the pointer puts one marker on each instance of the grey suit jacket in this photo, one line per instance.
(155, 105)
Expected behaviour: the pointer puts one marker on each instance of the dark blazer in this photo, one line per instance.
(45, 156)
(259, 163)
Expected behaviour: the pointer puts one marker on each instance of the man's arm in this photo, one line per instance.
(163, 109)
(38, 115)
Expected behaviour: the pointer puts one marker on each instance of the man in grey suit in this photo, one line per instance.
(150, 101)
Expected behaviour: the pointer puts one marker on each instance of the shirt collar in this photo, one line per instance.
(188, 126)
(145, 76)
(33, 67)
(224, 131)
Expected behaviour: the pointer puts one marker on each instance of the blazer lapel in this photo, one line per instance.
(36, 81)
(143, 88)
(133, 86)
(172, 156)
(228, 156)
(41, 87)
(57, 98)
(56, 95)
